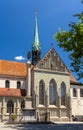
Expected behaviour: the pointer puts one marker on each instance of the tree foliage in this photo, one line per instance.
(72, 41)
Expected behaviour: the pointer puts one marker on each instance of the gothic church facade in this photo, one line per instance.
(42, 90)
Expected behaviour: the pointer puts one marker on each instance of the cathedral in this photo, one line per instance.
(42, 89)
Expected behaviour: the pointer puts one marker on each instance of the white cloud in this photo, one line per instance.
(19, 58)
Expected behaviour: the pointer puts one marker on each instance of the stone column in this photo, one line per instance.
(70, 104)
(17, 106)
(47, 98)
(59, 105)
(28, 79)
(37, 97)
(3, 108)
(70, 109)
(4, 105)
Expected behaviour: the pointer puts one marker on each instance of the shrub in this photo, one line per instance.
(13, 117)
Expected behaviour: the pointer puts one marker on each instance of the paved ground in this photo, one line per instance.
(42, 127)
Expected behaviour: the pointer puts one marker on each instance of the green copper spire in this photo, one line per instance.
(36, 44)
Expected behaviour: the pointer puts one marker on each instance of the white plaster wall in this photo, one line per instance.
(77, 107)
(13, 82)
(2, 83)
(76, 102)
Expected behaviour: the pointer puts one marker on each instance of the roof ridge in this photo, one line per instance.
(12, 61)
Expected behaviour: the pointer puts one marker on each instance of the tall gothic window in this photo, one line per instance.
(63, 94)
(41, 92)
(81, 92)
(52, 93)
(10, 106)
(7, 84)
(18, 84)
(74, 92)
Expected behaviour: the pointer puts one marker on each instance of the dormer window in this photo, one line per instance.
(7, 84)
(18, 84)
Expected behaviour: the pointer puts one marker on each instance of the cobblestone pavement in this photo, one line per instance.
(42, 127)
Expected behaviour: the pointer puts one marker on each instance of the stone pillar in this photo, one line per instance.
(3, 108)
(37, 97)
(17, 106)
(70, 109)
(3, 105)
(28, 100)
(28, 79)
(70, 104)
(59, 105)
(47, 98)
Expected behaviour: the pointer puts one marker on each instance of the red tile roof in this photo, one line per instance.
(13, 68)
(11, 92)
(72, 79)
(10, 68)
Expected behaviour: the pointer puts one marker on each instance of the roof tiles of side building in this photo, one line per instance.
(72, 79)
(12, 68)
(11, 92)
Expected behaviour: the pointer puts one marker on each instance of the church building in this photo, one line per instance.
(42, 89)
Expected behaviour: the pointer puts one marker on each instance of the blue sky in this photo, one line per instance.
(17, 25)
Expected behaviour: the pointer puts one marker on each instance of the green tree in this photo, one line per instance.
(72, 41)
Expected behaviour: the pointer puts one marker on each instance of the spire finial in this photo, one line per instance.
(36, 12)
(36, 44)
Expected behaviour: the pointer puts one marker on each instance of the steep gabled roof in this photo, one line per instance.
(52, 61)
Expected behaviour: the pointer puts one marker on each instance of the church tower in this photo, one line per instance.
(36, 51)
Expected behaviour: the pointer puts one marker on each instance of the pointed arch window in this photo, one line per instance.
(18, 84)
(41, 92)
(74, 92)
(10, 106)
(63, 94)
(52, 92)
(7, 84)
